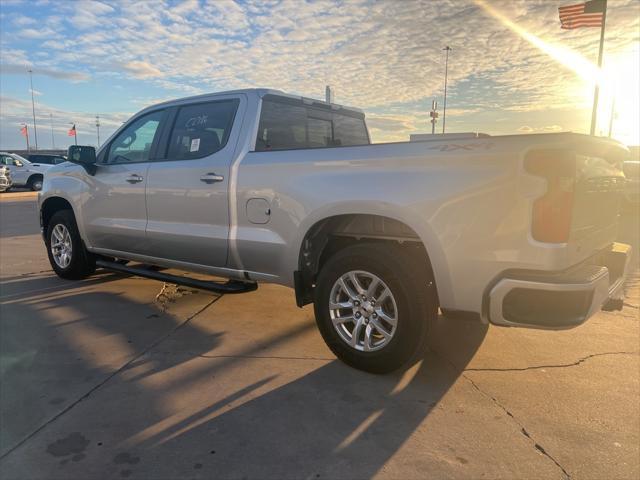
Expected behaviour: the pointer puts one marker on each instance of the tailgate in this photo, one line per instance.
(585, 183)
(598, 190)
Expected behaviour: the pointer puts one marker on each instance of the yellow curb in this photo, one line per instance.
(8, 196)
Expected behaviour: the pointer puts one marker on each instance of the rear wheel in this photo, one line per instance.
(373, 305)
(67, 255)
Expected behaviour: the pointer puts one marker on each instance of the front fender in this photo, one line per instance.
(66, 181)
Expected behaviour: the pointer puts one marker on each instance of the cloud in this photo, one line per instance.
(13, 69)
(33, 33)
(22, 21)
(390, 123)
(140, 69)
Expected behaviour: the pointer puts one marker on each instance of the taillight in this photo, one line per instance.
(551, 219)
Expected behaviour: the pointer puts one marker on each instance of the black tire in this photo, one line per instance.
(35, 182)
(82, 262)
(412, 287)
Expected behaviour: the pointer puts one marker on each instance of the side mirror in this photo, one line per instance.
(83, 155)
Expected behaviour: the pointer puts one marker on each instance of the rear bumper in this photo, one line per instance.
(563, 299)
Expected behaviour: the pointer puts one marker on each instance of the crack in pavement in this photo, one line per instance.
(523, 430)
(537, 367)
(495, 401)
(109, 377)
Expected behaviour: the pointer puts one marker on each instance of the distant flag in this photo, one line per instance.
(24, 130)
(588, 14)
(72, 131)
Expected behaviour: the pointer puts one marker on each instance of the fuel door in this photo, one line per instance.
(258, 210)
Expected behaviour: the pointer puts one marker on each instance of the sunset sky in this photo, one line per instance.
(114, 58)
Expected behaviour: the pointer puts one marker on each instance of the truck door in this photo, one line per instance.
(114, 214)
(188, 187)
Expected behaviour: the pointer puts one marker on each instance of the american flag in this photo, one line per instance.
(72, 131)
(588, 14)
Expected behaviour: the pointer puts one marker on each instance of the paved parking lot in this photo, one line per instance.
(122, 377)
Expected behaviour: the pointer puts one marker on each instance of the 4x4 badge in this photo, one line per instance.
(468, 146)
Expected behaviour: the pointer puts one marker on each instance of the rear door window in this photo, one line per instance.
(202, 129)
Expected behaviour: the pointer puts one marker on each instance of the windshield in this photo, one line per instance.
(20, 157)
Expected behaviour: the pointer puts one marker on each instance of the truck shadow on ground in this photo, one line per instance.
(325, 420)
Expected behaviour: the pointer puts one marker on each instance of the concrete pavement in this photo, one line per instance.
(121, 377)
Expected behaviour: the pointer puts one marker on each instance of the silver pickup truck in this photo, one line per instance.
(260, 186)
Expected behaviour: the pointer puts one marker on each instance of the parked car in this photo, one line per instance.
(23, 172)
(260, 186)
(632, 173)
(5, 178)
(46, 159)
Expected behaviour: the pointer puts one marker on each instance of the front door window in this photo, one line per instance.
(133, 144)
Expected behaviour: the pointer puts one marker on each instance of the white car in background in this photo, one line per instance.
(23, 172)
(5, 178)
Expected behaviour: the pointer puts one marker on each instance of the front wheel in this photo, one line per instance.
(35, 183)
(373, 305)
(67, 255)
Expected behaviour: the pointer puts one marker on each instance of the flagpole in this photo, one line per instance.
(33, 108)
(613, 112)
(26, 129)
(596, 93)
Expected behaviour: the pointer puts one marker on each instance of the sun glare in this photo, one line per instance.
(619, 80)
(621, 90)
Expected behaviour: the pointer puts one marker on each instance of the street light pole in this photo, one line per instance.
(33, 109)
(447, 49)
(53, 142)
(98, 128)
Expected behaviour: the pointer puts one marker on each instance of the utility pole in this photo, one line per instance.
(98, 128)
(33, 109)
(53, 142)
(434, 116)
(447, 49)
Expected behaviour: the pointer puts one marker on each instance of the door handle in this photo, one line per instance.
(134, 178)
(211, 178)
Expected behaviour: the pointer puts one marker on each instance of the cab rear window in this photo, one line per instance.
(288, 124)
